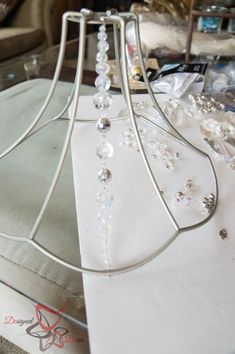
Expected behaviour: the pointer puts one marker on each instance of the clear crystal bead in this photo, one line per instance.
(102, 100)
(102, 68)
(104, 175)
(104, 218)
(104, 150)
(128, 139)
(104, 200)
(103, 125)
(187, 200)
(103, 46)
(102, 82)
(101, 57)
(168, 164)
(210, 127)
(227, 128)
(102, 36)
(102, 28)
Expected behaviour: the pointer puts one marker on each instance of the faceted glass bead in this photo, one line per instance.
(104, 215)
(101, 57)
(102, 100)
(102, 28)
(212, 126)
(102, 82)
(104, 218)
(103, 125)
(104, 175)
(179, 197)
(103, 46)
(168, 164)
(104, 150)
(102, 68)
(227, 128)
(102, 36)
(187, 200)
(128, 139)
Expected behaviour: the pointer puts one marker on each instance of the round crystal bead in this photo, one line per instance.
(102, 100)
(187, 200)
(101, 57)
(102, 68)
(102, 36)
(103, 125)
(102, 82)
(104, 175)
(128, 139)
(102, 28)
(105, 200)
(168, 164)
(103, 217)
(104, 150)
(103, 46)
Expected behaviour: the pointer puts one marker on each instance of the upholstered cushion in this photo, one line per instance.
(6, 7)
(15, 41)
(29, 172)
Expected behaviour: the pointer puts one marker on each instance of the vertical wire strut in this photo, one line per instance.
(70, 127)
(51, 91)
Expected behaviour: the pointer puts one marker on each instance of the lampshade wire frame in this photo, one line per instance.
(80, 64)
(50, 93)
(119, 22)
(180, 136)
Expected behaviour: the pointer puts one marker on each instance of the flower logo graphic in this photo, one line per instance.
(48, 331)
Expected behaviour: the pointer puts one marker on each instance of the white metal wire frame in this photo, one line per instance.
(119, 22)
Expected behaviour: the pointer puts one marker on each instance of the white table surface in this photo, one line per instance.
(183, 302)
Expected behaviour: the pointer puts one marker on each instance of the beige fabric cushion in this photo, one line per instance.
(14, 41)
(28, 172)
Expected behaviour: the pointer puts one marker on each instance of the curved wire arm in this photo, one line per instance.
(70, 126)
(180, 136)
(64, 31)
(84, 17)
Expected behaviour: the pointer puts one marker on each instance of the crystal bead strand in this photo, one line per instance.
(102, 101)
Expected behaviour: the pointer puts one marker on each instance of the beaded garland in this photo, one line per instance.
(104, 150)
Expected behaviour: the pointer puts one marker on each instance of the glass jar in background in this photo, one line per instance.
(210, 24)
(231, 22)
